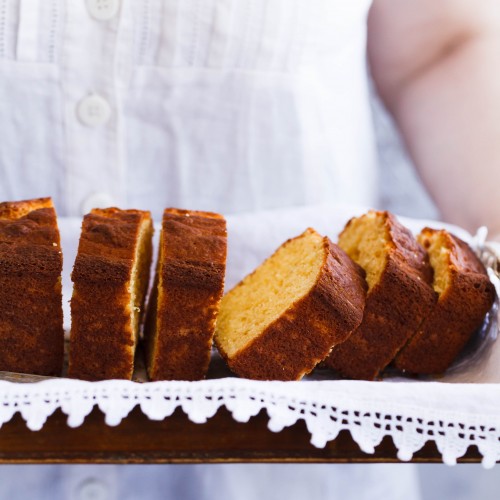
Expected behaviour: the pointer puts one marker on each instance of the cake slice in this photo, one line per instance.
(466, 294)
(31, 316)
(286, 316)
(110, 276)
(186, 294)
(399, 293)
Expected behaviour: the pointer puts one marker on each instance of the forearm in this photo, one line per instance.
(448, 111)
(450, 119)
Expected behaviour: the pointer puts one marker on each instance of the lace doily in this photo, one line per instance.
(453, 415)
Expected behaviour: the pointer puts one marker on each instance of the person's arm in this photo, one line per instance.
(436, 65)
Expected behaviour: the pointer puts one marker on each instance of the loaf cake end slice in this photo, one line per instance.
(31, 315)
(465, 295)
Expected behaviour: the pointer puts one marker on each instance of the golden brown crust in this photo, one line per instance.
(298, 340)
(11, 210)
(395, 307)
(181, 314)
(103, 339)
(460, 310)
(31, 318)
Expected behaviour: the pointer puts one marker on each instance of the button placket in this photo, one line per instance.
(103, 10)
(89, 74)
(94, 110)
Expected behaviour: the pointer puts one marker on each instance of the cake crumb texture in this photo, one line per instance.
(399, 294)
(285, 317)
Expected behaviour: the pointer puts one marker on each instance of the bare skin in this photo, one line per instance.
(436, 66)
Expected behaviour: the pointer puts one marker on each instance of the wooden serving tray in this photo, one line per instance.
(178, 440)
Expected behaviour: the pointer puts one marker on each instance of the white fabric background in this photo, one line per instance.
(221, 105)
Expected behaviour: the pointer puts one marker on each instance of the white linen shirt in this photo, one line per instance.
(223, 105)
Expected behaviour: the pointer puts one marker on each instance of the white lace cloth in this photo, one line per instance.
(462, 409)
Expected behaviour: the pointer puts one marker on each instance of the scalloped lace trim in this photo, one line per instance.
(326, 407)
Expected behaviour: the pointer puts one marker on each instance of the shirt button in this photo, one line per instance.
(94, 110)
(97, 200)
(103, 10)
(92, 489)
